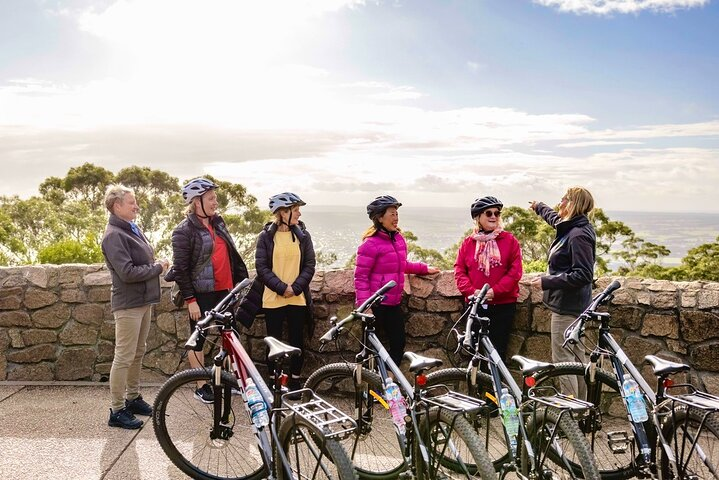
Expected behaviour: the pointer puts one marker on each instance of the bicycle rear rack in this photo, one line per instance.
(329, 420)
(695, 398)
(454, 401)
(557, 400)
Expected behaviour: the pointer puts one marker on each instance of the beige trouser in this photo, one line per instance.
(567, 385)
(131, 328)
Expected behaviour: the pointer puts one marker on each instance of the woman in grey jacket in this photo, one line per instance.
(568, 286)
(135, 288)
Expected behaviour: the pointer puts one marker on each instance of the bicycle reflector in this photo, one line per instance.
(283, 379)
(530, 381)
(668, 382)
(421, 379)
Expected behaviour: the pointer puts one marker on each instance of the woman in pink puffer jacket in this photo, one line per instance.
(382, 257)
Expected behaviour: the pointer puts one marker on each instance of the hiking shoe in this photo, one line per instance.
(204, 394)
(124, 418)
(138, 406)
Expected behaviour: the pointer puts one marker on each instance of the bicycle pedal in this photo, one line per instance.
(618, 441)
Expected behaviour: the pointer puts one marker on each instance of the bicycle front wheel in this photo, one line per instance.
(609, 433)
(488, 425)
(183, 425)
(696, 450)
(455, 449)
(310, 455)
(374, 448)
(559, 446)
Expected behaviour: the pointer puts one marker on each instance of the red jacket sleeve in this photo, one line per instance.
(509, 281)
(461, 277)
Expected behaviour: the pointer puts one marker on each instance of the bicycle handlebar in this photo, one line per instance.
(358, 313)
(574, 331)
(217, 313)
(474, 301)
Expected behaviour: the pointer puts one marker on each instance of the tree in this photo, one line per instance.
(88, 182)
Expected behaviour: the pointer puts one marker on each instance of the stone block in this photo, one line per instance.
(37, 372)
(167, 362)
(624, 296)
(627, 317)
(51, 317)
(317, 282)
(76, 333)
(339, 282)
(707, 298)
(107, 330)
(97, 278)
(105, 351)
(710, 383)
(320, 311)
(663, 300)
(677, 346)
(436, 304)
(538, 347)
(99, 295)
(73, 295)
(445, 285)
(659, 325)
(17, 318)
(697, 326)
(166, 322)
(541, 319)
(688, 299)
(103, 369)
(13, 281)
(4, 339)
(521, 319)
(422, 286)
(34, 354)
(89, 314)
(525, 292)
(416, 303)
(637, 348)
(705, 357)
(3, 367)
(16, 340)
(11, 298)
(36, 298)
(662, 286)
(644, 297)
(424, 324)
(71, 274)
(37, 275)
(75, 364)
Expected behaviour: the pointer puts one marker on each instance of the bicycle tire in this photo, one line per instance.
(613, 465)
(569, 451)
(468, 458)
(182, 426)
(689, 463)
(488, 425)
(310, 455)
(374, 448)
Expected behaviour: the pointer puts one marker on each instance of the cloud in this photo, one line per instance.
(608, 7)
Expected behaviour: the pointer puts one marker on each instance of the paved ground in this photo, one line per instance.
(60, 431)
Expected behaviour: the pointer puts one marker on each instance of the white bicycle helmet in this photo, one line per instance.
(284, 200)
(196, 188)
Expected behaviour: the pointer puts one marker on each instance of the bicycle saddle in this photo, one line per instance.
(279, 349)
(665, 367)
(530, 367)
(419, 363)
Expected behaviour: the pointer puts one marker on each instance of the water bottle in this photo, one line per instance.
(258, 409)
(397, 406)
(510, 417)
(635, 399)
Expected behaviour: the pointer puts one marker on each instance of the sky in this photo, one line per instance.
(435, 102)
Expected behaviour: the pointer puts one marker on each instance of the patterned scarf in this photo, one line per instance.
(487, 252)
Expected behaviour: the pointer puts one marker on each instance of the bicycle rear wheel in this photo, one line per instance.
(700, 460)
(374, 448)
(488, 425)
(182, 425)
(455, 449)
(311, 456)
(610, 433)
(560, 447)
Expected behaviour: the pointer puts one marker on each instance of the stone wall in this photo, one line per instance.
(56, 324)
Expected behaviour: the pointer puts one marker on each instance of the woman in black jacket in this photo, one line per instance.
(568, 286)
(285, 263)
(205, 261)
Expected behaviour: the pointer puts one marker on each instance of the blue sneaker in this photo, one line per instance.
(138, 406)
(124, 418)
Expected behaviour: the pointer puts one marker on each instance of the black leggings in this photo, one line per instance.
(295, 316)
(390, 321)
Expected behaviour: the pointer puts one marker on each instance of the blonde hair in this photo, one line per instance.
(579, 202)
(114, 194)
(278, 215)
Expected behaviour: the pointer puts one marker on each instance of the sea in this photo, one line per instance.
(338, 229)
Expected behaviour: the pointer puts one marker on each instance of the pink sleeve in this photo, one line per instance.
(363, 266)
(416, 268)
(464, 283)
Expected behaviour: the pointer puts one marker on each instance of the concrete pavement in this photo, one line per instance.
(59, 431)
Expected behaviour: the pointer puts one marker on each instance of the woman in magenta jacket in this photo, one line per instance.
(491, 255)
(382, 257)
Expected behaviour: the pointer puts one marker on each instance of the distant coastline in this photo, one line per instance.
(338, 228)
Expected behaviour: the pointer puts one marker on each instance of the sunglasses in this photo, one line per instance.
(492, 213)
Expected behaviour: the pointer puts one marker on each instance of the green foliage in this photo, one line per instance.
(66, 221)
(325, 259)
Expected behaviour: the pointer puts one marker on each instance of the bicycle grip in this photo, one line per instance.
(191, 342)
(329, 336)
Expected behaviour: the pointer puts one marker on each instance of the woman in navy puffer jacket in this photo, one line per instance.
(382, 257)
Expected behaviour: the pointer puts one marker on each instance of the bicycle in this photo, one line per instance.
(673, 433)
(213, 441)
(433, 440)
(548, 442)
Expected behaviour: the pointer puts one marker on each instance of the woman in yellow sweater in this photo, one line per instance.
(285, 263)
